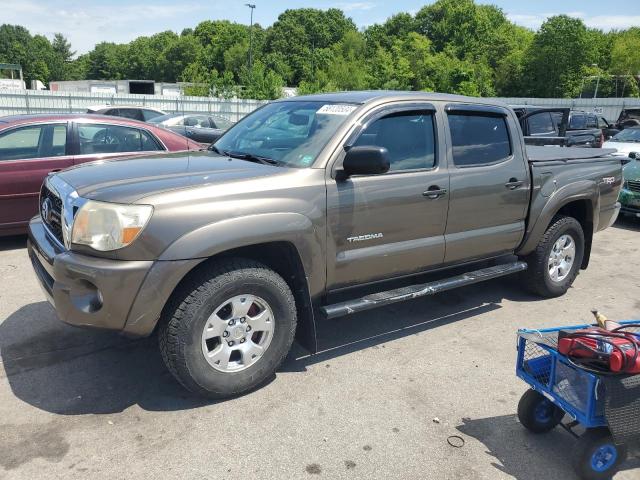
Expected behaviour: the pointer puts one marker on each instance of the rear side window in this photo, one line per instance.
(38, 141)
(541, 124)
(409, 137)
(478, 139)
(578, 122)
(100, 139)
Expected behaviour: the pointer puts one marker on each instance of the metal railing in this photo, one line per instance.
(44, 101)
(14, 102)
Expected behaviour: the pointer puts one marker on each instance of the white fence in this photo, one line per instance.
(43, 101)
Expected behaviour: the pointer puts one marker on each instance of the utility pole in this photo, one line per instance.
(252, 7)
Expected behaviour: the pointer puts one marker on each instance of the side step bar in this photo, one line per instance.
(415, 291)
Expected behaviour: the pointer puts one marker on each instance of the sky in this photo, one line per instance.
(87, 22)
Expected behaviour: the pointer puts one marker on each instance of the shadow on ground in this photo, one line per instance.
(524, 455)
(71, 371)
(13, 243)
(628, 223)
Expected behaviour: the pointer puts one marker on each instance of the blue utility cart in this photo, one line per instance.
(559, 388)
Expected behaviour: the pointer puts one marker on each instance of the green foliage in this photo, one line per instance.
(625, 53)
(456, 46)
(557, 57)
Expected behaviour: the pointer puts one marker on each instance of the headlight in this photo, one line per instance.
(109, 226)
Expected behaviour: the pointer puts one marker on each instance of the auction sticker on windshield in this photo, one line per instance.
(336, 109)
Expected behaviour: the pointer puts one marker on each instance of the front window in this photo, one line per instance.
(408, 137)
(100, 139)
(292, 133)
(627, 135)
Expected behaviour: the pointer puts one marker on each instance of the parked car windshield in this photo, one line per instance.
(292, 133)
(168, 119)
(627, 135)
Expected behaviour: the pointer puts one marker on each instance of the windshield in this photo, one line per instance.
(292, 133)
(627, 135)
(169, 119)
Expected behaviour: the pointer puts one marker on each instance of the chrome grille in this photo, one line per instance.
(634, 185)
(51, 212)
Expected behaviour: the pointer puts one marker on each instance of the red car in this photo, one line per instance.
(31, 146)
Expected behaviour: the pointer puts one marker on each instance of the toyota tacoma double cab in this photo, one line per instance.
(313, 207)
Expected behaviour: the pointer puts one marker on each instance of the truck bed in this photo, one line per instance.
(551, 154)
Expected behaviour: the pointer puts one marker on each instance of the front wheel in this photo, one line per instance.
(537, 414)
(596, 457)
(227, 330)
(555, 263)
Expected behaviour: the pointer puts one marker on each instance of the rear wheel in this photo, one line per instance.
(555, 263)
(228, 330)
(596, 457)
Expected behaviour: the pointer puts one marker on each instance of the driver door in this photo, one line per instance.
(385, 226)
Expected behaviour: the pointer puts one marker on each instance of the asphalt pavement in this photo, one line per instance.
(389, 394)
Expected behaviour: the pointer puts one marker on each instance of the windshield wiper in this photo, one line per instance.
(252, 158)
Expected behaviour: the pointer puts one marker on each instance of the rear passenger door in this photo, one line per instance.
(27, 154)
(95, 141)
(489, 183)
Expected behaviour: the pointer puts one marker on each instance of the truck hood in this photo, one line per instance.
(129, 180)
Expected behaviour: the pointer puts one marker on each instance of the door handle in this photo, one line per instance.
(56, 170)
(513, 183)
(434, 192)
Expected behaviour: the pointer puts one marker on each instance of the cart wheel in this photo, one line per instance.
(596, 456)
(538, 414)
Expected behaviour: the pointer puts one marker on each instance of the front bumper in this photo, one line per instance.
(127, 296)
(85, 291)
(630, 201)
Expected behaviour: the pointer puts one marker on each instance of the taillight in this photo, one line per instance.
(601, 140)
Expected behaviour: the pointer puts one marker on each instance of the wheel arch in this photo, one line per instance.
(281, 256)
(581, 202)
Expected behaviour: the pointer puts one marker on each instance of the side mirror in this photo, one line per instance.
(366, 160)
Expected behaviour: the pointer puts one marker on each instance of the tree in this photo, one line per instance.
(466, 29)
(298, 34)
(261, 83)
(557, 57)
(625, 53)
(106, 61)
(60, 64)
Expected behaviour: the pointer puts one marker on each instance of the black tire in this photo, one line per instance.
(183, 321)
(536, 278)
(538, 414)
(592, 458)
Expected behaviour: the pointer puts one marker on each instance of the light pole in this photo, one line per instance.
(251, 6)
